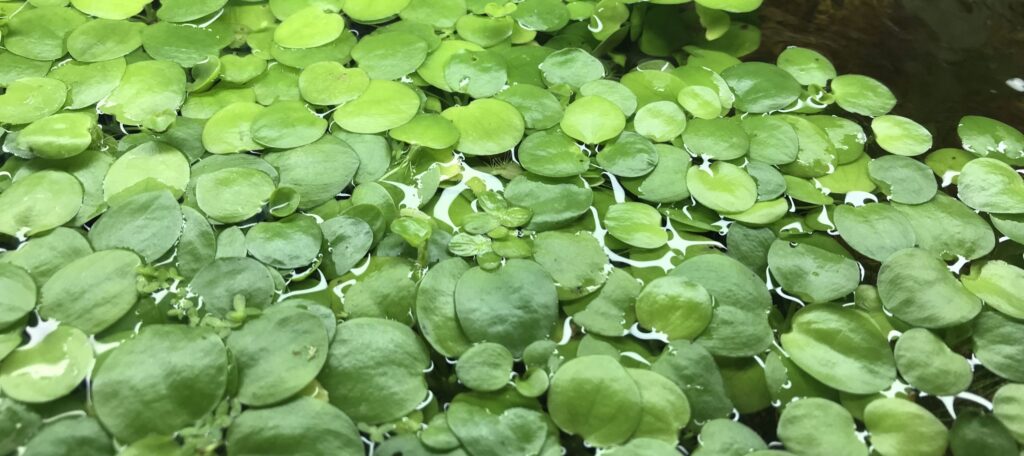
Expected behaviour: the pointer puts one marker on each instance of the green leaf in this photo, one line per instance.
(842, 348)
(818, 426)
(180, 370)
(277, 354)
(610, 421)
(513, 305)
(374, 370)
(918, 288)
(49, 368)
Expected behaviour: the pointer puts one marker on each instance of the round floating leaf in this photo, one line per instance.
(904, 179)
(1008, 406)
(862, 95)
(80, 435)
(18, 296)
(224, 280)
(370, 11)
(330, 83)
(513, 305)
(287, 124)
(485, 367)
(44, 255)
(289, 243)
(385, 290)
(148, 224)
(928, 364)
(231, 195)
(732, 6)
(571, 66)
(92, 292)
(382, 106)
(39, 202)
(614, 92)
(918, 288)
(974, 432)
(664, 184)
(660, 121)
(180, 371)
(997, 343)
(187, 10)
(374, 370)
(807, 66)
(593, 120)
(110, 10)
(540, 109)
(992, 281)
(984, 136)
(608, 311)
(901, 136)
(277, 354)
(847, 136)
(49, 368)
(542, 15)
(27, 100)
(428, 130)
(576, 261)
(437, 13)
(230, 129)
(815, 269)
(309, 27)
(197, 245)
(674, 306)
(722, 187)
(553, 202)
(435, 308)
(390, 55)
(480, 74)
(724, 436)
(874, 230)
(901, 427)
(739, 324)
(149, 95)
(631, 155)
(151, 166)
(842, 348)
(636, 224)
(551, 153)
(761, 87)
(486, 127)
(719, 139)
(610, 421)
(961, 233)
(702, 102)
(693, 370)
(58, 136)
(989, 185)
(819, 426)
(495, 424)
(348, 239)
(665, 408)
(304, 425)
(772, 139)
(89, 83)
(183, 44)
(39, 33)
(318, 171)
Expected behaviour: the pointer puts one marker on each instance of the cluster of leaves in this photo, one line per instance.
(460, 227)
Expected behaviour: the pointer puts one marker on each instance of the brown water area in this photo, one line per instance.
(942, 58)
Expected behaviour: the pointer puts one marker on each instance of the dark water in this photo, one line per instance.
(942, 58)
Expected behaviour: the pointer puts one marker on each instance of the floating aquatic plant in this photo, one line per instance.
(460, 227)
